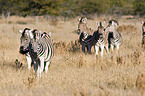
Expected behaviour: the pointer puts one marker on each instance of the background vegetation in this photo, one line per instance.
(72, 73)
(71, 8)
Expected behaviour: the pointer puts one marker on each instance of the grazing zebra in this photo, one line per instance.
(114, 37)
(40, 49)
(85, 35)
(99, 38)
(143, 33)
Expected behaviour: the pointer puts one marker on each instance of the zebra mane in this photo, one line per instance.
(34, 32)
(23, 33)
(110, 22)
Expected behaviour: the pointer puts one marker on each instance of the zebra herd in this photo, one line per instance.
(101, 38)
(39, 50)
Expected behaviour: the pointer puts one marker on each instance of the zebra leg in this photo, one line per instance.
(38, 72)
(102, 49)
(35, 66)
(117, 47)
(89, 49)
(41, 65)
(96, 49)
(46, 67)
(107, 48)
(83, 48)
(28, 61)
(112, 47)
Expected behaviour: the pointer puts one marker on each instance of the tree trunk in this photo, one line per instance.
(36, 19)
(8, 15)
(3, 15)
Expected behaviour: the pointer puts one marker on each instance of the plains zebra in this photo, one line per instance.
(85, 35)
(100, 39)
(143, 33)
(114, 37)
(40, 48)
(24, 45)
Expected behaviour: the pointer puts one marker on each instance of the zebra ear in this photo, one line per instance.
(21, 31)
(97, 23)
(49, 34)
(142, 22)
(30, 34)
(103, 23)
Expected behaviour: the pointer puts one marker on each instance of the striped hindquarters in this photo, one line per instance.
(43, 47)
(49, 46)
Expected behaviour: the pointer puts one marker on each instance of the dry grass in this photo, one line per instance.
(71, 72)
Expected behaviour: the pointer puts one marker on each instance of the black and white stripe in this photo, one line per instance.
(85, 37)
(40, 50)
(99, 38)
(114, 36)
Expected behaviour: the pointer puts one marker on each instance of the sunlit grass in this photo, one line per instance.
(71, 73)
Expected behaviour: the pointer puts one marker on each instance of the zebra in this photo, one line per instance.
(85, 37)
(40, 49)
(99, 38)
(24, 45)
(114, 37)
(143, 33)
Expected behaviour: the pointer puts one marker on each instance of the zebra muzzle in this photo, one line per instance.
(22, 51)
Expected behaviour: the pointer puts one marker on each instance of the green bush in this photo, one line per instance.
(72, 8)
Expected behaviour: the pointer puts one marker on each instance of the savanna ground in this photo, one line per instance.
(71, 73)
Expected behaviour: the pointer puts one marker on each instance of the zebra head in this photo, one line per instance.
(82, 26)
(83, 20)
(101, 26)
(25, 39)
(112, 26)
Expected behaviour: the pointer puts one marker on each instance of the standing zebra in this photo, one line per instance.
(85, 35)
(24, 45)
(40, 48)
(143, 33)
(100, 39)
(114, 37)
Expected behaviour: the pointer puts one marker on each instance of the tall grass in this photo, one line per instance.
(71, 73)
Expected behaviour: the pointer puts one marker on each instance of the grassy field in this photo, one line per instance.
(71, 73)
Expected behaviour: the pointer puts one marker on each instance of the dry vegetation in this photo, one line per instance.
(71, 72)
